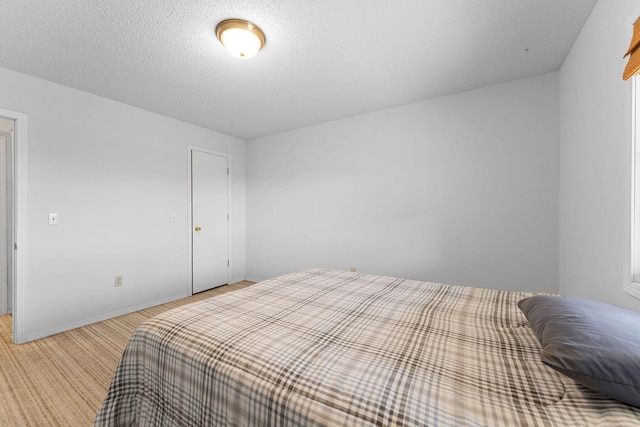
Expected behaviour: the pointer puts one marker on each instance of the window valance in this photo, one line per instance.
(633, 65)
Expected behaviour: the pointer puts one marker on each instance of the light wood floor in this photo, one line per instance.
(61, 380)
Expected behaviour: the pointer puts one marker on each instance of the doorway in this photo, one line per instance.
(14, 169)
(209, 190)
(6, 217)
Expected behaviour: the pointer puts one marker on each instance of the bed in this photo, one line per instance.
(331, 348)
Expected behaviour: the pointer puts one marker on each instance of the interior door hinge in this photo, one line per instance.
(15, 246)
(227, 171)
(228, 263)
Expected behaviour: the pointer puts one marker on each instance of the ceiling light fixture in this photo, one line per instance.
(241, 38)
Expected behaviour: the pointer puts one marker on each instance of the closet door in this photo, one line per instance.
(210, 220)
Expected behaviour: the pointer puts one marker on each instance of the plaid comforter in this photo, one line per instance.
(322, 347)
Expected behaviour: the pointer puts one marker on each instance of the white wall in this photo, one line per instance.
(460, 189)
(114, 174)
(595, 158)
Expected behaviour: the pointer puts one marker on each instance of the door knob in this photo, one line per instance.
(198, 228)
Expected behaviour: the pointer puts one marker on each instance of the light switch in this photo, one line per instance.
(174, 217)
(53, 219)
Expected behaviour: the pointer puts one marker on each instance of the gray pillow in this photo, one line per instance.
(594, 343)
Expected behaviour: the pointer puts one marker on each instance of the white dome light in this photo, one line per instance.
(241, 38)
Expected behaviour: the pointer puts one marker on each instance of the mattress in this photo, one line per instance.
(331, 348)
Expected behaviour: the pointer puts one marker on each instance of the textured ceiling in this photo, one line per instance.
(323, 60)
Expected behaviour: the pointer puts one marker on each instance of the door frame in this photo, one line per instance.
(191, 149)
(6, 157)
(18, 257)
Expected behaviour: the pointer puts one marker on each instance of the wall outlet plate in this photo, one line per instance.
(117, 282)
(53, 219)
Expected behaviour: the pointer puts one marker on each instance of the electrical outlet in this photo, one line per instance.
(353, 269)
(117, 281)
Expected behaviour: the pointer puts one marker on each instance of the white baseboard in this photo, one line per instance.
(85, 322)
